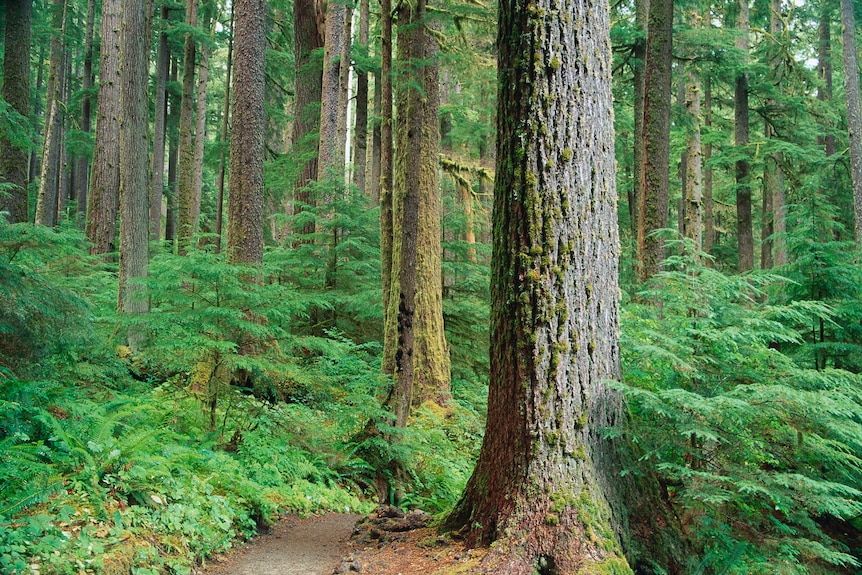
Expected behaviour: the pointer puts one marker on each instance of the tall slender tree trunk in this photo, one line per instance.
(654, 183)
(188, 204)
(47, 200)
(773, 178)
(82, 164)
(103, 199)
(854, 111)
(245, 217)
(360, 148)
(64, 172)
(376, 142)
(171, 192)
(744, 229)
(344, 85)
(390, 331)
(694, 152)
(638, 79)
(134, 158)
(201, 103)
(225, 124)
(708, 218)
(16, 91)
(307, 38)
(163, 59)
(824, 93)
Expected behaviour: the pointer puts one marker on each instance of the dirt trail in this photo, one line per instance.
(312, 546)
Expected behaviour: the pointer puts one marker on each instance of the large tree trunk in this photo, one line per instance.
(654, 164)
(390, 332)
(376, 142)
(188, 205)
(16, 91)
(49, 178)
(245, 215)
(307, 38)
(432, 367)
(360, 148)
(163, 59)
(103, 199)
(744, 230)
(536, 489)
(134, 159)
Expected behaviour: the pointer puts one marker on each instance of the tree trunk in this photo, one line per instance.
(376, 142)
(64, 172)
(307, 38)
(47, 200)
(360, 148)
(772, 177)
(744, 231)
(537, 488)
(245, 215)
(390, 332)
(173, 160)
(163, 58)
(82, 165)
(654, 166)
(708, 219)
(201, 104)
(343, 87)
(134, 157)
(694, 153)
(854, 110)
(14, 155)
(103, 199)
(330, 155)
(225, 125)
(431, 364)
(188, 205)
(638, 68)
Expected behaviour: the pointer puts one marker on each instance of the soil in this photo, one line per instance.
(323, 545)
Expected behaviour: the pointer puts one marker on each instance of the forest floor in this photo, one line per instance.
(329, 544)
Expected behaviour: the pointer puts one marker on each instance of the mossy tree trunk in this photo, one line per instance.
(330, 154)
(390, 338)
(16, 91)
(134, 156)
(415, 299)
(547, 488)
(554, 312)
(245, 214)
(173, 158)
(103, 200)
(653, 176)
(432, 366)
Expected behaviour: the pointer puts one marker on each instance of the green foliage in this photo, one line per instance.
(761, 454)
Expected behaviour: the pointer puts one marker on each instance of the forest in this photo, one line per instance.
(581, 279)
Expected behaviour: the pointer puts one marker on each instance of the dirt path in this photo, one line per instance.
(322, 546)
(312, 546)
